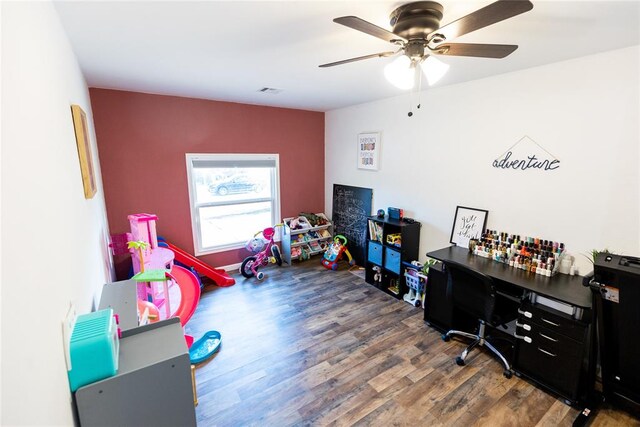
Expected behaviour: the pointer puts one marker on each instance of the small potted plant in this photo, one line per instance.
(427, 264)
(593, 254)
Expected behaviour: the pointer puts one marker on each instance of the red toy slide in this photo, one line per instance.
(189, 292)
(216, 274)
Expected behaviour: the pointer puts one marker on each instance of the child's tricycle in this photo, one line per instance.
(334, 252)
(264, 250)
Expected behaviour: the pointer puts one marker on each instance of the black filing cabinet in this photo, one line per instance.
(552, 349)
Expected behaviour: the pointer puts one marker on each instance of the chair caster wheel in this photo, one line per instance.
(459, 361)
(445, 338)
(507, 374)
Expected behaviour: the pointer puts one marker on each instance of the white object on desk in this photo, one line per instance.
(565, 265)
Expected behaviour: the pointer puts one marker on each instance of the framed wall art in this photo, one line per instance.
(84, 151)
(368, 150)
(468, 224)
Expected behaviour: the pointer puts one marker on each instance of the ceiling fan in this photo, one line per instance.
(416, 30)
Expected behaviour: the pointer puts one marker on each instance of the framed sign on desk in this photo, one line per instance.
(468, 224)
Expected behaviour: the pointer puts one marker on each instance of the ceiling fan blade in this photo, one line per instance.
(359, 58)
(477, 50)
(488, 15)
(368, 28)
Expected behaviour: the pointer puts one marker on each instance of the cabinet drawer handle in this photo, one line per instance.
(549, 322)
(546, 352)
(525, 313)
(544, 336)
(523, 337)
(524, 326)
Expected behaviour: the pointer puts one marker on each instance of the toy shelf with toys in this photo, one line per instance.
(391, 243)
(306, 235)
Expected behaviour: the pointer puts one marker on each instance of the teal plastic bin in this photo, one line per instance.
(93, 348)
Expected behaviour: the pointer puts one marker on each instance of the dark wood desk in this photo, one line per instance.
(561, 287)
(551, 347)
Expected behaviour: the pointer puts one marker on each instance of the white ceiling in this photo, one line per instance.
(228, 50)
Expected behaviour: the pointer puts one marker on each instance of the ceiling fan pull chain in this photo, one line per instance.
(419, 87)
(416, 76)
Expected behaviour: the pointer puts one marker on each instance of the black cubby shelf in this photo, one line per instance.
(390, 242)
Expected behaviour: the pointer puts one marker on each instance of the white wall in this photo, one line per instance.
(54, 242)
(583, 111)
(0, 229)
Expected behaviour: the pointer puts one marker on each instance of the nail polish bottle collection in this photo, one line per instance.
(526, 253)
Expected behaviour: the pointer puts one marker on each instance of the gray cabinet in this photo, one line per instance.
(153, 386)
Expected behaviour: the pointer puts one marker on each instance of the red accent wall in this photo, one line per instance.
(142, 141)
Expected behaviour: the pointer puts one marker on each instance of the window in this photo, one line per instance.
(232, 197)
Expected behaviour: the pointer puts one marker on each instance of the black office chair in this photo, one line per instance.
(475, 294)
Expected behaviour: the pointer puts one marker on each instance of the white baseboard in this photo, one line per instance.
(231, 267)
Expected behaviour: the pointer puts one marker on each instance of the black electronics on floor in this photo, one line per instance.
(617, 286)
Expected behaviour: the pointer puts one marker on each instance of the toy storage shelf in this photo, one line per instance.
(293, 245)
(390, 242)
(291, 238)
(311, 252)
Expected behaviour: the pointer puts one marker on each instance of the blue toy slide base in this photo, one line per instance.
(202, 349)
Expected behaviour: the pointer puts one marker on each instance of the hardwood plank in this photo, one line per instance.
(358, 411)
(486, 398)
(308, 346)
(505, 411)
(609, 416)
(554, 415)
(389, 377)
(392, 414)
(464, 396)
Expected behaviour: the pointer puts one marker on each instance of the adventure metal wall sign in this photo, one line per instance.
(527, 161)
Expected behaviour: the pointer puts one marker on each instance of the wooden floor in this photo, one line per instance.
(308, 346)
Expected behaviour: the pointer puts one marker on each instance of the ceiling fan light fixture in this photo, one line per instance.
(401, 72)
(434, 69)
(417, 31)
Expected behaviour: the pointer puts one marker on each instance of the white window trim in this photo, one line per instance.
(195, 220)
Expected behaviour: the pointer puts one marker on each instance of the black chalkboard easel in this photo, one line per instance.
(351, 207)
